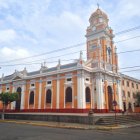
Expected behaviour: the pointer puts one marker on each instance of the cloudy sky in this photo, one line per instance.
(32, 27)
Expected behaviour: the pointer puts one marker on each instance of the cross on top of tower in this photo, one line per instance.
(98, 5)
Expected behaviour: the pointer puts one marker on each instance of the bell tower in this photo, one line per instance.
(100, 45)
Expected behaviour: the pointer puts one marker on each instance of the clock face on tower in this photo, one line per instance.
(93, 28)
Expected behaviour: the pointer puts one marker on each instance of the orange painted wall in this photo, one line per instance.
(27, 94)
(36, 93)
(54, 88)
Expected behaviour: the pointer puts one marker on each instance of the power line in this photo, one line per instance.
(32, 62)
(130, 70)
(127, 30)
(62, 49)
(128, 51)
(85, 50)
(127, 39)
(77, 45)
(129, 67)
(57, 56)
(74, 52)
(36, 63)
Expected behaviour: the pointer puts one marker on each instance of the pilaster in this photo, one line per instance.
(119, 95)
(99, 90)
(40, 92)
(22, 97)
(81, 90)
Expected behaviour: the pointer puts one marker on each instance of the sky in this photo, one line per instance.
(32, 27)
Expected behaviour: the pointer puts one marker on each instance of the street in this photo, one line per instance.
(12, 131)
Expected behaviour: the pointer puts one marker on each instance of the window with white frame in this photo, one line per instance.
(49, 82)
(69, 79)
(87, 79)
(7, 88)
(32, 84)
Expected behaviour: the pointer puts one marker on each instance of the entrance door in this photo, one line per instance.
(124, 106)
(18, 102)
(110, 98)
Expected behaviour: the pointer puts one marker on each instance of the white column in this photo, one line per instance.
(119, 95)
(93, 96)
(99, 92)
(40, 92)
(58, 92)
(13, 103)
(22, 97)
(81, 91)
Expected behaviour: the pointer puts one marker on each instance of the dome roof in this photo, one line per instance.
(98, 13)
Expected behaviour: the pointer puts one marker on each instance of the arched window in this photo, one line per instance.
(129, 105)
(31, 100)
(88, 97)
(123, 93)
(18, 102)
(19, 93)
(19, 90)
(48, 96)
(68, 95)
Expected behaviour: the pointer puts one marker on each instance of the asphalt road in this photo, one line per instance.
(12, 131)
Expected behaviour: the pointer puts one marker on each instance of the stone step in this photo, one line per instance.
(110, 120)
(117, 123)
(119, 119)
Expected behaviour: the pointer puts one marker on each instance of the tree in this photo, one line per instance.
(6, 99)
(137, 97)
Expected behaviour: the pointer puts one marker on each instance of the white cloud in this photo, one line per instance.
(13, 53)
(39, 26)
(7, 35)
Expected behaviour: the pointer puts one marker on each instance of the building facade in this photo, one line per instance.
(77, 87)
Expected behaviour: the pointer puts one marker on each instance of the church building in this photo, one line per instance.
(80, 86)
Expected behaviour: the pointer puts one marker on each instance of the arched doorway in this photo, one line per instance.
(18, 102)
(110, 98)
(124, 106)
(88, 97)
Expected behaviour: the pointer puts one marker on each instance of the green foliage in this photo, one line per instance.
(138, 99)
(7, 97)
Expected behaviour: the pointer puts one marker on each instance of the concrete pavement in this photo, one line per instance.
(13, 131)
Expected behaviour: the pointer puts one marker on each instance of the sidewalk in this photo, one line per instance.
(68, 125)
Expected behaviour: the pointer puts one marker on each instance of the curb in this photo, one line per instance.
(45, 124)
(116, 127)
(88, 127)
